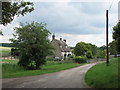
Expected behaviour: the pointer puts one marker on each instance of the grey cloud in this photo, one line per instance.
(65, 18)
(93, 8)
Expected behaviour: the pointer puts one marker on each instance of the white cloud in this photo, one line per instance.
(5, 38)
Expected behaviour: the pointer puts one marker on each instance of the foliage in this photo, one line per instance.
(93, 49)
(11, 9)
(116, 31)
(105, 53)
(89, 54)
(50, 53)
(81, 48)
(102, 47)
(113, 47)
(14, 51)
(49, 59)
(102, 75)
(101, 52)
(80, 59)
(72, 56)
(116, 36)
(71, 47)
(33, 43)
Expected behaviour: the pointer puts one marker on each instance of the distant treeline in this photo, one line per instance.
(7, 44)
(71, 47)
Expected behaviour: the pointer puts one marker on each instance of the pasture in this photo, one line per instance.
(5, 51)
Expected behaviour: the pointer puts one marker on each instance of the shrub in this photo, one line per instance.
(80, 59)
(49, 59)
(89, 54)
(72, 56)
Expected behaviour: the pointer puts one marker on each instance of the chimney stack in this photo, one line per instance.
(53, 36)
(64, 40)
(61, 39)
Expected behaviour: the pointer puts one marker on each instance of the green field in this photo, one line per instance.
(5, 51)
(10, 68)
(102, 76)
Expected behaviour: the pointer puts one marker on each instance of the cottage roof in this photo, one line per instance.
(62, 44)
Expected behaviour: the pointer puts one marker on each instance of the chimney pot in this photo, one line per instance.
(60, 38)
(64, 41)
(53, 36)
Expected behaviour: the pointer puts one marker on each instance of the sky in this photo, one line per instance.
(73, 20)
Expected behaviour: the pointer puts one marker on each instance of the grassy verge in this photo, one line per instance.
(102, 76)
(8, 61)
(11, 69)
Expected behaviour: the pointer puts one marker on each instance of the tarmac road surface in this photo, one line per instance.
(71, 78)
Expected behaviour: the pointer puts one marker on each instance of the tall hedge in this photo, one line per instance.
(80, 59)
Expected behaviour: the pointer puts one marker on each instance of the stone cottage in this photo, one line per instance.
(62, 50)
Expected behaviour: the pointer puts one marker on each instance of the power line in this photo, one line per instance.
(110, 5)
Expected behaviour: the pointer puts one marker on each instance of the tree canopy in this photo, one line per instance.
(113, 47)
(12, 9)
(116, 31)
(33, 43)
(89, 54)
(80, 48)
(116, 36)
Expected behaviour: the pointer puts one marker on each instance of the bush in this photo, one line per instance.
(89, 54)
(49, 59)
(80, 59)
(72, 56)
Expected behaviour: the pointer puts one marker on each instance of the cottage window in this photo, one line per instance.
(69, 55)
(65, 46)
(60, 46)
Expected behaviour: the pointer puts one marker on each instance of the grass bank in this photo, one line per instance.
(10, 68)
(102, 76)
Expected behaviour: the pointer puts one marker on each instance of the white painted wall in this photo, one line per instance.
(62, 54)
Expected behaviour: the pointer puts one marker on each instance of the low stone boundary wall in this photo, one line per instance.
(94, 60)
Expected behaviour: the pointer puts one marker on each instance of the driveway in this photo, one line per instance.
(71, 78)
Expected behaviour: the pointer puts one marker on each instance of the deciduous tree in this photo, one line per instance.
(12, 9)
(116, 36)
(89, 54)
(33, 43)
(113, 48)
(81, 48)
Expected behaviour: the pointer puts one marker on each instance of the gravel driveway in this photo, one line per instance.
(71, 78)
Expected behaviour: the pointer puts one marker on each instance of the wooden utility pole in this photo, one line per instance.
(107, 58)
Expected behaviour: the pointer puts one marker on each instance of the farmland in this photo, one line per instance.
(5, 51)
